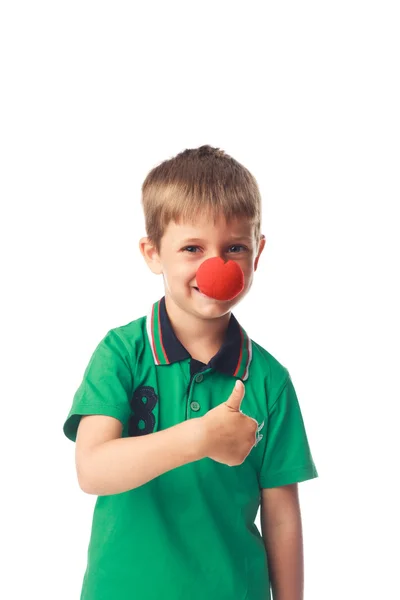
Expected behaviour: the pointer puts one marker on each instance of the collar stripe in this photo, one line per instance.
(248, 352)
(150, 334)
(236, 371)
(160, 335)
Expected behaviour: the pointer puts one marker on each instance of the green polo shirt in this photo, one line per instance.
(189, 533)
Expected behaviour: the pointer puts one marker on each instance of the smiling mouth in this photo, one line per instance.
(201, 293)
(205, 295)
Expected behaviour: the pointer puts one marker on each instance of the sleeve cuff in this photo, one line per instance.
(70, 427)
(288, 477)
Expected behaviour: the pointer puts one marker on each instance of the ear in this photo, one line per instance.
(150, 255)
(261, 248)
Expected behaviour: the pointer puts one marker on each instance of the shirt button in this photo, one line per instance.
(195, 406)
(199, 378)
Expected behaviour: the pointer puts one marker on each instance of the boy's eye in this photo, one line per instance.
(233, 246)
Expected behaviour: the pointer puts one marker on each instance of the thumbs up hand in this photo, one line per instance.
(228, 434)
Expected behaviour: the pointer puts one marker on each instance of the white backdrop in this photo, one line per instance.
(304, 94)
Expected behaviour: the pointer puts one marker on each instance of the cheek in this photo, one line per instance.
(247, 268)
(249, 280)
(182, 272)
(249, 276)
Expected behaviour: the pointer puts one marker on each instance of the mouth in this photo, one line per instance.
(201, 293)
(208, 297)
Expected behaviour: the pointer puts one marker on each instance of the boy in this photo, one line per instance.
(179, 459)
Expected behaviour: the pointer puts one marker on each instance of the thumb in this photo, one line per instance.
(235, 399)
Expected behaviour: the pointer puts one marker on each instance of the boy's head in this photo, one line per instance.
(200, 204)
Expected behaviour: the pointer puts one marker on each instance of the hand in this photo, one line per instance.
(229, 435)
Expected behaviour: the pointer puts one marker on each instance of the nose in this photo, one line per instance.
(219, 279)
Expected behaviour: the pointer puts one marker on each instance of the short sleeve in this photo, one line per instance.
(287, 457)
(106, 385)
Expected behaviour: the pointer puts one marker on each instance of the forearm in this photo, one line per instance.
(284, 546)
(123, 464)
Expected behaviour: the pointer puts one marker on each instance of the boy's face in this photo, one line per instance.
(183, 249)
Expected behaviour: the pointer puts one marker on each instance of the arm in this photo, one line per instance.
(108, 464)
(282, 533)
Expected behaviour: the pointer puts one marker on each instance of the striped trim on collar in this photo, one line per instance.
(233, 358)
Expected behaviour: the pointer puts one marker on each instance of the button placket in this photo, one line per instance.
(195, 406)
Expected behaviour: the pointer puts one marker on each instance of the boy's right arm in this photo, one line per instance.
(107, 464)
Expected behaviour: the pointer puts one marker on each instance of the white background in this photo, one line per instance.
(304, 94)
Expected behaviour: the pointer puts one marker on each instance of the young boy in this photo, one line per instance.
(179, 459)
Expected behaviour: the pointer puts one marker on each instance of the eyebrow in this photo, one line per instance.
(233, 237)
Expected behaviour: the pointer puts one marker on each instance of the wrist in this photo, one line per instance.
(198, 437)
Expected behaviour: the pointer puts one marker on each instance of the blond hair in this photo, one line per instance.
(204, 181)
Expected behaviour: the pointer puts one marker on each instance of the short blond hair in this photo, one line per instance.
(204, 181)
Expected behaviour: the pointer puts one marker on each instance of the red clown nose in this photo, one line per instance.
(220, 280)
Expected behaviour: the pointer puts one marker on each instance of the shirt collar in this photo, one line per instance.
(233, 358)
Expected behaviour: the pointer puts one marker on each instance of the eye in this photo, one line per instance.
(185, 249)
(238, 246)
